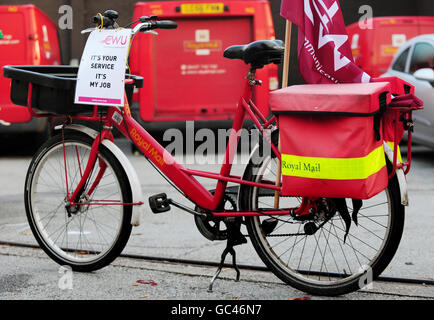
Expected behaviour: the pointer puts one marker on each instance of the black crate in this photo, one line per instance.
(53, 88)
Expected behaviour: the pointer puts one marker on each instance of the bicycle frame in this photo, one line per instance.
(182, 177)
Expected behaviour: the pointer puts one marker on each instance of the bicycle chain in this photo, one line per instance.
(283, 235)
(287, 234)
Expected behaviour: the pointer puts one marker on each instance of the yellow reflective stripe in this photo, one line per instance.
(391, 144)
(334, 168)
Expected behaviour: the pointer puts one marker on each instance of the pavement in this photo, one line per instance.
(29, 274)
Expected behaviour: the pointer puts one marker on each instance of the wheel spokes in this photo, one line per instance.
(86, 228)
(324, 257)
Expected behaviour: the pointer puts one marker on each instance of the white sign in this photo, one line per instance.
(398, 39)
(101, 75)
(202, 35)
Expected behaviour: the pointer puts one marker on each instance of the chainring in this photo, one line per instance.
(214, 228)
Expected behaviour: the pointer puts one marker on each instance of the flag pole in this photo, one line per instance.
(287, 53)
(285, 76)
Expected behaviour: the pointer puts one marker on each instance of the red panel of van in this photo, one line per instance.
(374, 48)
(186, 75)
(29, 38)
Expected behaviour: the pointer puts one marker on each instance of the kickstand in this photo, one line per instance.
(235, 238)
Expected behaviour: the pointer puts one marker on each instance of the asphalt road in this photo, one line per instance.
(28, 274)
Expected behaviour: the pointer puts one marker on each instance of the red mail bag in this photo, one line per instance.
(332, 139)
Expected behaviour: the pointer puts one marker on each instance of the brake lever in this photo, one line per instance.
(88, 30)
(152, 32)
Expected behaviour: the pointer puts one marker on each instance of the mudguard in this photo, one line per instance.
(136, 189)
(400, 175)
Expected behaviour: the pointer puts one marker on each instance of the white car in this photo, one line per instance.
(414, 63)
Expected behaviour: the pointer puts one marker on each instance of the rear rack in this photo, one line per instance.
(403, 113)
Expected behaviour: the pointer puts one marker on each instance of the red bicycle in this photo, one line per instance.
(82, 195)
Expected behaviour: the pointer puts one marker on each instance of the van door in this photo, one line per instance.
(423, 57)
(13, 48)
(387, 43)
(403, 67)
(13, 45)
(192, 77)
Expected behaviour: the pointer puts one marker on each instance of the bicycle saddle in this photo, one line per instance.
(257, 53)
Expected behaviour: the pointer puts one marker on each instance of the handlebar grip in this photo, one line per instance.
(112, 14)
(165, 24)
(106, 21)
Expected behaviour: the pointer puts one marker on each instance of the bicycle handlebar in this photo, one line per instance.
(108, 20)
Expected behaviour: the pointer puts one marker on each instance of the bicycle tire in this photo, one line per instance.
(310, 280)
(86, 255)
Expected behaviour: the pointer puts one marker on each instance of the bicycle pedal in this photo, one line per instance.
(159, 203)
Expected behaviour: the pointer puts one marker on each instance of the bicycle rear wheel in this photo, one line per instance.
(322, 263)
(85, 236)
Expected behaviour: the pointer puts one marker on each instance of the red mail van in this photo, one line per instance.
(374, 48)
(186, 75)
(29, 37)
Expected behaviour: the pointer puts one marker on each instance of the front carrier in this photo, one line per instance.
(331, 139)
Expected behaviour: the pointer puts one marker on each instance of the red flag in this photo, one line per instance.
(324, 51)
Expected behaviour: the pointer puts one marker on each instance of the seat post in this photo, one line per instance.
(251, 76)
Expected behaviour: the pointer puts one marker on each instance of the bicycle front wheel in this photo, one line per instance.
(90, 234)
(321, 262)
